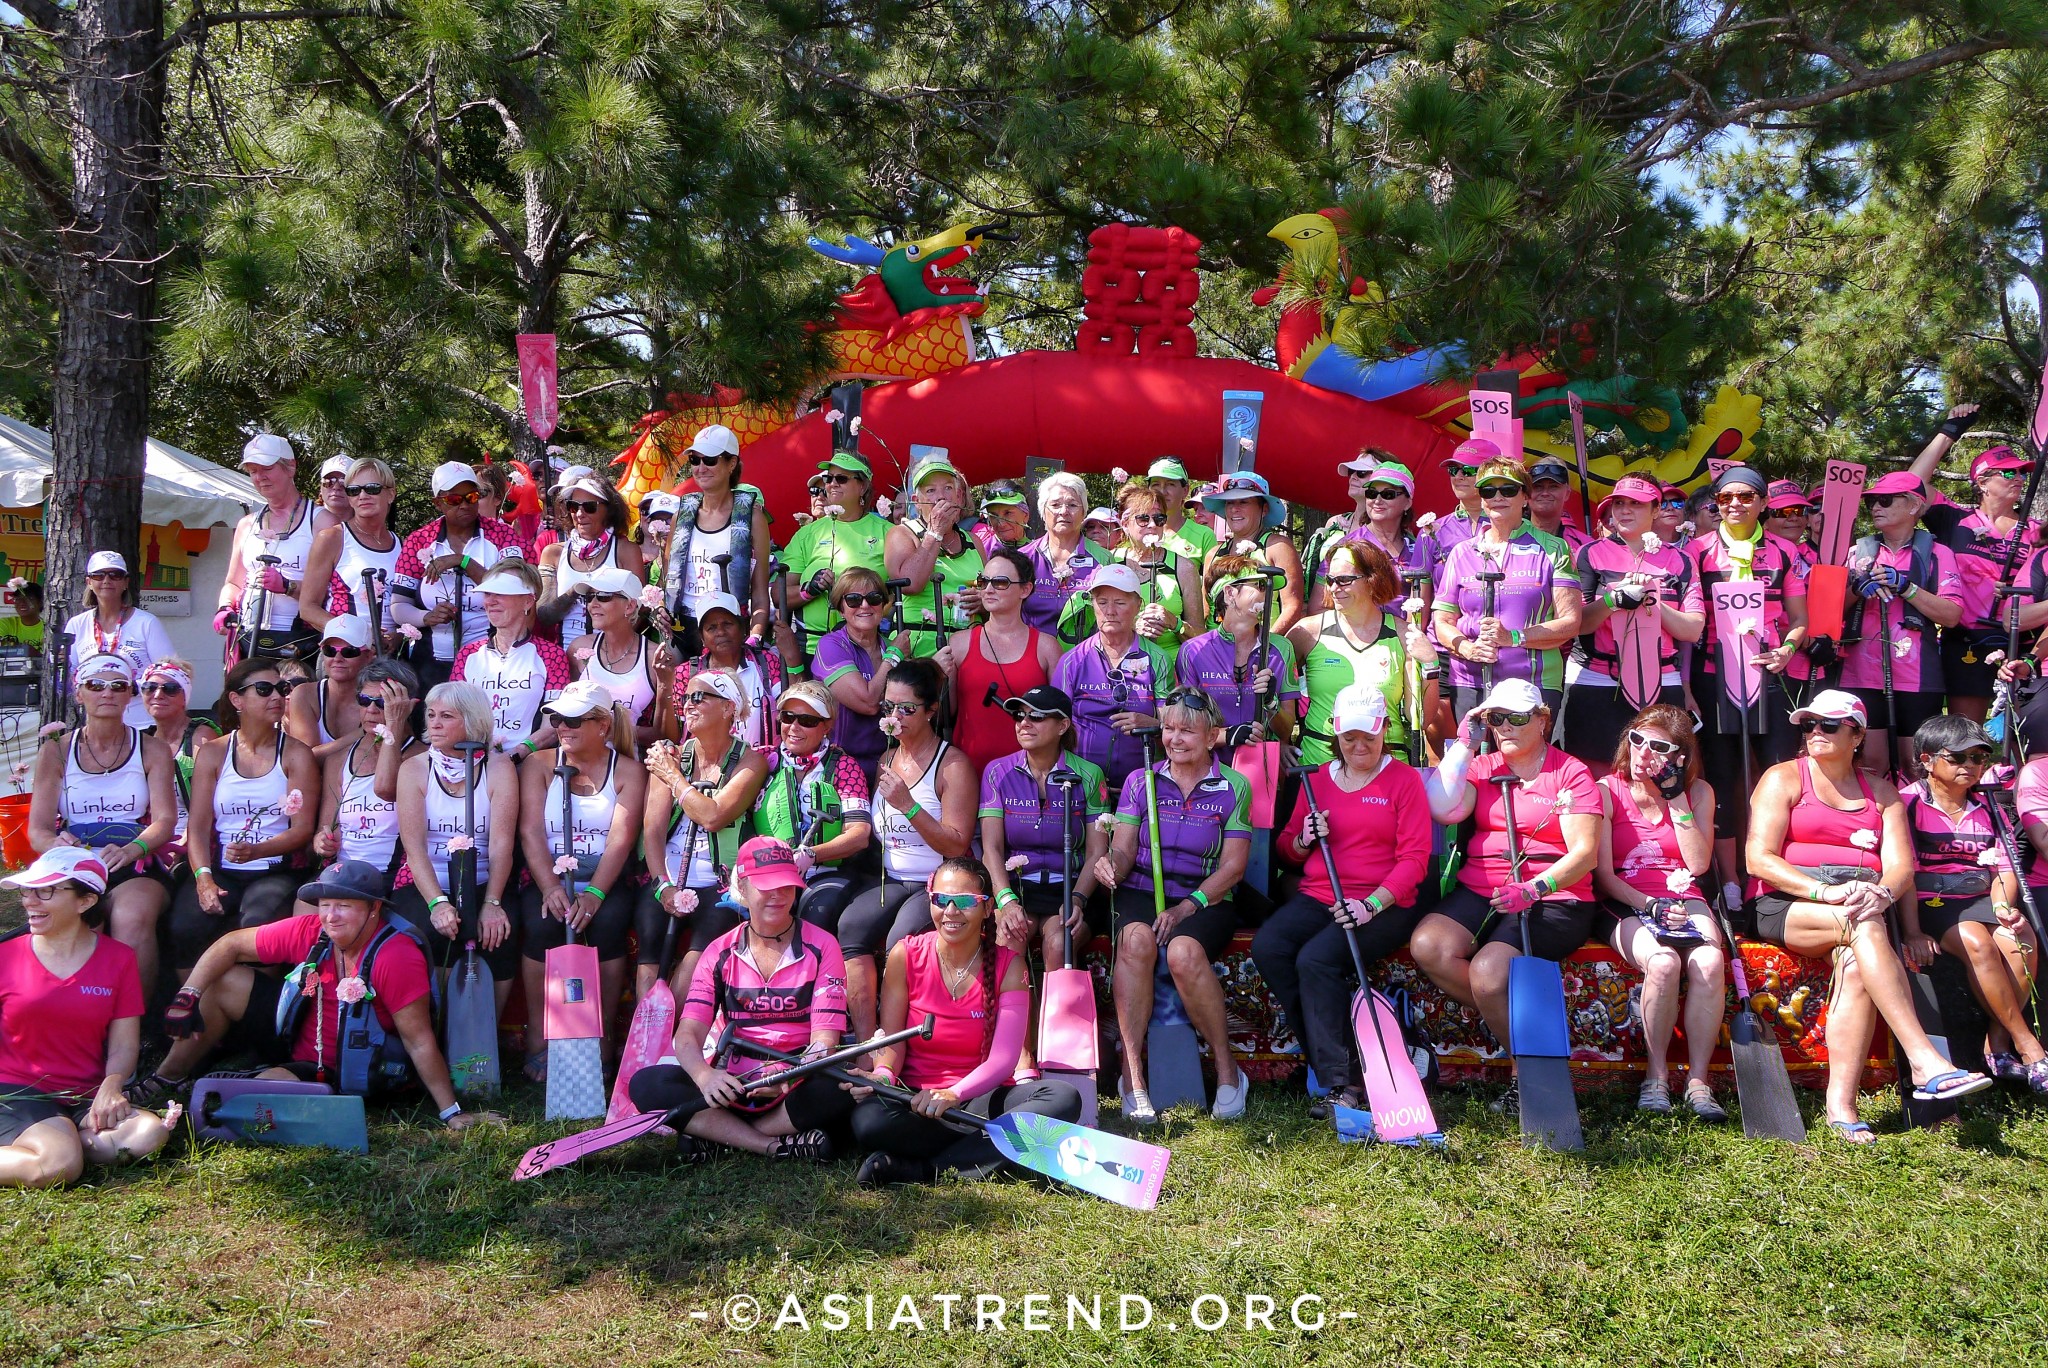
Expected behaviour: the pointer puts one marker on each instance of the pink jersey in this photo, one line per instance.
(806, 993)
(1816, 834)
(959, 1040)
(1916, 664)
(1774, 563)
(53, 1032)
(2031, 797)
(1645, 848)
(1562, 788)
(1604, 563)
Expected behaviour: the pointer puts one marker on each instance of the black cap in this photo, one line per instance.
(357, 879)
(1742, 475)
(1045, 699)
(1550, 468)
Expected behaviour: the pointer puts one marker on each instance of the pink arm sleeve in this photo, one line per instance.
(1012, 1010)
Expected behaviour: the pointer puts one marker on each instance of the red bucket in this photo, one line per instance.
(15, 851)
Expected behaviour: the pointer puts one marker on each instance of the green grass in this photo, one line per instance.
(1667, 1242)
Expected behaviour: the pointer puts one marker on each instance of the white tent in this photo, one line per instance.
(177, 487)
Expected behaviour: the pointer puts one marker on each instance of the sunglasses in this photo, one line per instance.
(264, 688)
(1676, 504)
(1385, 492)
(900, 709)
(1466, 471)
(1737, 496)
(1500, 491)
(697, 698)
(1024, 712)
(357, 491)
(345, 652)
(840, 479)
(108, 575)
(1498, 719)
(1344, 581)
(876, 599)
(804, 720)
(1825, 726)
(1148, 519)
(1975, 755)
(994, 582)
(608, 596)
(700, 460)
(119, 686)
(169, 690)
(460, 499)
(1651, 743)
(369, 700)
(332, 479)
(1186, 698)
(562, 722)
(583, 506)
(955, 902)
(1883, 500)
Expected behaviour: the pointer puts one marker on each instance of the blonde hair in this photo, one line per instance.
(1508, 467)
(819, 697)
(383, 472)
(471, 702)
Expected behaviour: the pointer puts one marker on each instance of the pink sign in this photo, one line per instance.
(2040, 428)
(1840, 493)
(537, 383)
(1493, 417)
(1718, 466)
(1738, 634)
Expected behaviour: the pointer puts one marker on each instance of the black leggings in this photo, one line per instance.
(540, 933)
(710, 920)
(880, 1124)
(816, 1103)
(252, 899)
(879, 917)
(503, 962)
(824, 902)
(1302, 956)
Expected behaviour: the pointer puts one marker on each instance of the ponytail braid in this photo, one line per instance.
(988, 982)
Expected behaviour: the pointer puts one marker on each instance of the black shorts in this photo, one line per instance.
(1212, 926)
(1042, 900)
(1596, 716)
(1939, 916)
(21, 1108)
(1556, 928)
(814, 1103)
(256, 1033)
(1964, 663)
(608, 930)
(1915, 706)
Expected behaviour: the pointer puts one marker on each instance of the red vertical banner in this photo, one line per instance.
(537, 383)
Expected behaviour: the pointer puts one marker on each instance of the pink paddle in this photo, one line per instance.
(1840, 492)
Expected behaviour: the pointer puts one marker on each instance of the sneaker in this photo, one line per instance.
(881, 1169)
(147, 1092)
(1508, 1103)
(1654, 1096)
(1320, 1109)
(1230, 1101)
(813, 1145)
(2006, 1068)
(1138, 1109)
(691, 1150)
(1700, 1097)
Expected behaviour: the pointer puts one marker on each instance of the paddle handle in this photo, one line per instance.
(1067, 880)
(1507, 779)
(894, 1091)
(1152, 829)
(566, 773)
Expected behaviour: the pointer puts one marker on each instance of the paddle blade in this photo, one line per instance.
(567, 1150)
(1639, 641)
(1841, 494)
(1550, 1113)
(1127, 1172)
(473, 1029)
(1400, 1108)
(648, 1038)
(1173, 1055)
(1261, 765)
(1927, 1009)
(1536, 1013)
(209, 1093)
(314, 1119)
(572, 994)
(1827, 599)
(1067, 1038)
(575, 1079)
(1354, 1127)
(1770, 1110)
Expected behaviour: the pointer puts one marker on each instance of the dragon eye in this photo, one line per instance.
(912, 252)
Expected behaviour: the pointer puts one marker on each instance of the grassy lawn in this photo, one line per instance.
(1666, 1243)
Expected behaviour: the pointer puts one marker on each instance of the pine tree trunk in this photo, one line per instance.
(106, 300)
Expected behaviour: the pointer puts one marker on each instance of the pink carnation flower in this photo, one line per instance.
(583, 653)
(650, 597)
(408, 631)
(1678, 881)
(1652, 543)
(385, 736)
(1016, 862)
(293, 801)
(891, 725)
(564, 863)
(351, 989)
(1865, 839)
(1119, 474)
(50, 729)
(1425, 522)
(456, 843)
(686, 901)
(884, 507)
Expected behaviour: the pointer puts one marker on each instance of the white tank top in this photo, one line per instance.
(435, 592)
(105, 809)
(592, 814)
(629, 686)
(129, 640)
(247, 810)
(516, 682)
(703, 870)
(754, 685)
(292, 547)
(444, 819)
(905, 856)
(700, 577)
(369, 825)
(576, 622)
(356, 558)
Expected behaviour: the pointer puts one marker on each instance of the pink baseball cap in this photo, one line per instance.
(1786, 494)
(1999, 458)
(768, 862)
(1898, 482)
(1473, 451)
(1635, 489)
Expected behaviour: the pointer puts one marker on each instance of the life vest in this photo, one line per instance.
(371, 1060)
(1924, 575)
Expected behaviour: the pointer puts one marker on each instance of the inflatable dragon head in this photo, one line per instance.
(911, 271)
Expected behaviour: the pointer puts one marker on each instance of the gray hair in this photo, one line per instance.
(1058, 481)
(471, 702)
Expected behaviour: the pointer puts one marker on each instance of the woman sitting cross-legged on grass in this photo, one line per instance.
(982, 999)
(1830, 852)
(779, 981)
(70, 1031)
(1657, 840)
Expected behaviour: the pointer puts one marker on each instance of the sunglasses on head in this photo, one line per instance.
(1499, 718)
(460, 498)
(583, 506)
(874, 599)
(106, 686)
(1827, 726)
(264, 688)
(1500, 491)
(168, 690)
(900, 709)
(797, 719)
(345, 652)
(1186, 698)
(955, 902)
(357, 491)
(994, 582)
(1651, 743)
(1384, 492)
(699, 459)
(1975, 755)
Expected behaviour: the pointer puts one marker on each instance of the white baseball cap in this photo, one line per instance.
(453, 475)
(581, 699)
(571, 474)
(715, 439)
(613, 580)
(1833, 705)
(1360, 708)
(59, 863)
(267, 449)
(1115, 576)
(504, 582)
(1101, 515)
(348, 629)
(723, 602)
(336, 465)
(1513, 695)
(106, 560)
(660, 504)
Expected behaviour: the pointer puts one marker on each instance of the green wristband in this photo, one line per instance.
(141, 845)
(1199, 898)
(600, 892)
(915, 808)
(436, 901)
(1006, 897)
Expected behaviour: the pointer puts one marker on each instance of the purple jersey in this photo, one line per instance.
(1192, 826)
(1049, 590)
(1101, 687)
(1209, 663)
(837, 656)
(1031, 813)
(1537, 565)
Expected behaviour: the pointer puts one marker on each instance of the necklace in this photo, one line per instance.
(633, 649)
(94, 751)
(956, 980)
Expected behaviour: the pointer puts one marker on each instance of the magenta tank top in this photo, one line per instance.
(956, 1046)
(1645, 849)
(1821, 835)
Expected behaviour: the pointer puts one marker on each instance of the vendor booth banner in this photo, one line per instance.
(164, 585)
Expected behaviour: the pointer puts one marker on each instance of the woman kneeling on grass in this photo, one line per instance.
(776, 980)
(1830, 852)
(70, 1031)
(982, 999)
(1657, 840)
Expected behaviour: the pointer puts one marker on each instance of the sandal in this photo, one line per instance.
(2036, 1075)
(147, 1092)
(813, 1145)
(1654, 1096)
(536, 1068)
(1855, 1132)
(691, 1150)
(882, 1169)
(1951, 1083)
(1700, 1097)
(2006, 1068)
(1325, 1107)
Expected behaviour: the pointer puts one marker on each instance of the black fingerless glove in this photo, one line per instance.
(1625, 598)
(1239, 735)
(1671, 782)
(182, 1018)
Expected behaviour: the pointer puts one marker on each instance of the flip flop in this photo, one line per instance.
(1855, 1132)
(1953, 1083)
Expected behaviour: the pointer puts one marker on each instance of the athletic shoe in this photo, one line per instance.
(1323, 1108)
(691, 1150)
(881, 1169)
(1700, 1097)
(1654, 1096)
(147, 1092)
(813, 1145)
(1508, 1103)
(1138, 1109)
(1230, 1101)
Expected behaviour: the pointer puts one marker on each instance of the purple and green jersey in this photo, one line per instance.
(1209, 663)
(836, 657)
(1102, 687)
(1031, 812)
(1192, 826)
(1537, 565)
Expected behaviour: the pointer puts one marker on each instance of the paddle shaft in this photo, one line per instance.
(1489, 585)
(1413, 581)
(894, 1091)
(567, 773)
(2003, 829)
(1308, 792)
(1066, 781)
(1508, 779)
(1270, 700)
(2010, 596)
(468, 751)
(375, 608)
(1152, 826)
(262, 606)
